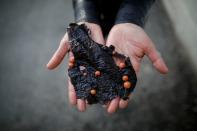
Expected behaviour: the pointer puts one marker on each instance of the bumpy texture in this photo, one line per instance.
(93, 72)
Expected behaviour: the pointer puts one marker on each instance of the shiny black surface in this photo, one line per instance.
(110, 12)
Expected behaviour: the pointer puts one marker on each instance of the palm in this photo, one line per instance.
(129, 48)
(131, 40)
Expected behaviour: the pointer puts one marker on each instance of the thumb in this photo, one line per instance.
(59, 54)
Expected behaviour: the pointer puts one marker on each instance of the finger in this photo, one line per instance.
(71, 94)
(156, 59)
(135, 63)
(59, 54)
(71, 90)
(87, 105)
(123, 103)
(81, 105)
(113, 105)
(71, 57)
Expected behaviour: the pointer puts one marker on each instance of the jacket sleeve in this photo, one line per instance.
(133, 11)
(86, 10)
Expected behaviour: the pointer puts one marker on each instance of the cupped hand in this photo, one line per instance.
(128, 39)
(97, 36)
(131, 40)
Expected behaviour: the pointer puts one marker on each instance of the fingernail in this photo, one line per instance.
(81, 105)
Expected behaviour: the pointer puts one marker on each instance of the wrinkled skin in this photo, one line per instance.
(90, 57)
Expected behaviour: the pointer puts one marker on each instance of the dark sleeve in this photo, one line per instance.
(133, 11)
(86, 10)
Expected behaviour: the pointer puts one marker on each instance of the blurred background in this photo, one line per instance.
(33, 98)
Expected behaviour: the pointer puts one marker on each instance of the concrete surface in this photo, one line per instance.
(183, 16)
(35, 99)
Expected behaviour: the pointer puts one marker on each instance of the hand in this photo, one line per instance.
(97, 36)
(131, 40)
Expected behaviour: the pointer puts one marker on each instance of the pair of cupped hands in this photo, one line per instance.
(129, 39)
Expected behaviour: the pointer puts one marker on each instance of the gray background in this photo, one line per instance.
(35, 99)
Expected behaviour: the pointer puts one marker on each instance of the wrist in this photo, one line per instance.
(130, 14)
(85, 11)
(133, 11)
(127, 25)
